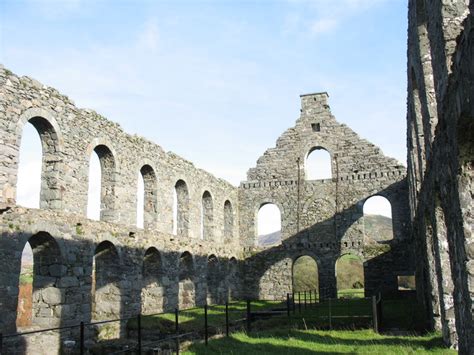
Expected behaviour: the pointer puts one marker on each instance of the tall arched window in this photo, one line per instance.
(378, 219)
(146, 197)
(180, 209)
(40, 297)
(187, 289)
(269, 225)
(214, 293)
(106, 293)
(207, 216)
(305, 274)
(152, 289)
(318, 164)
(101, 184)
(38, 166)
(228, 220)
(350, 276)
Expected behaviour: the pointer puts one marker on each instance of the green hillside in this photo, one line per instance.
(378, 228)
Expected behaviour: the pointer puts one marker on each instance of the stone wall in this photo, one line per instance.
(90, 270)
(323, 218)
(440, 159)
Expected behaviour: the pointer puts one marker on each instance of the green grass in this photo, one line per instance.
(193, 319)
(26, 279)
(284, 341)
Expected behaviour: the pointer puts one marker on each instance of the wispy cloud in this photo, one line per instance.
(148, 39)
(56, 8)
(319, 17)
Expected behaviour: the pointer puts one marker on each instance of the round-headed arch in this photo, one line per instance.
(378, 225)
(318, 164)
(268, 224)
(49, 174)
(180, 208)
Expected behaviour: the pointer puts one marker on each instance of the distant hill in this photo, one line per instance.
(378, 228)
(269, 239)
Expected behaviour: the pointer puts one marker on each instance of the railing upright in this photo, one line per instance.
(139, 333)
(81, 339)
(299, 302)
(330, 314)
(310, 299)
(176, 321)
(304, 296)
(227, 319)
(248, 317)
(288, 304)
(206, 335)
(374, 314)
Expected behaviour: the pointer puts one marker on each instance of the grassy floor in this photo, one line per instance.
(193, 319)
(282, 341)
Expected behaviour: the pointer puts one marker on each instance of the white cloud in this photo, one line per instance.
(148, 39)
(323, 25)
(318, 17)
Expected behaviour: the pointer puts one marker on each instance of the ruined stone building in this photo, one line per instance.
(199, 242)
(440, 136)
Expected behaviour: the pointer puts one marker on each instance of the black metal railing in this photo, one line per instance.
(207, 320)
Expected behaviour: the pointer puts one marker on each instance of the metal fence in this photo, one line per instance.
(200, 323)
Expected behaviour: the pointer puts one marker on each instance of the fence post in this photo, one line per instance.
(293, 301)
(248, 317)
(304, 295)
(176, 325)
(310, 299)
(81, 339)
(330, 315)
(374, 314)
(1, 343)
(227, 319)
(139, 333)
(206, 335)
(176, 320)
(288, 304)
(299, 302)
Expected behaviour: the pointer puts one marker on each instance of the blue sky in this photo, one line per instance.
(218, 81)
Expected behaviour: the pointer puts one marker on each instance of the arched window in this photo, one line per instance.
(180, 209)
(350, 276)
(305, 275)
(40, 298)
(152, 290)
(228, 220)
(213, 280)
(146, 197)
(37, 169)
(269, 225)
(187, 289)
(318, 164)
(378, 219)
(101, 198)
(207, 216)
(106, 293)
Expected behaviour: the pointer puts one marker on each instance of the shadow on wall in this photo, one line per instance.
(322, 241)
(78, 280)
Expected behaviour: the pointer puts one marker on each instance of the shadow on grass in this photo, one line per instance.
(429, 342)
(297, 342)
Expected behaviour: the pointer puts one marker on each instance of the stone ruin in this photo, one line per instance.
(206, 250)
(440, 139)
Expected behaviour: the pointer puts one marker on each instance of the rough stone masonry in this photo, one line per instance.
(93, 270)
(440, 140)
